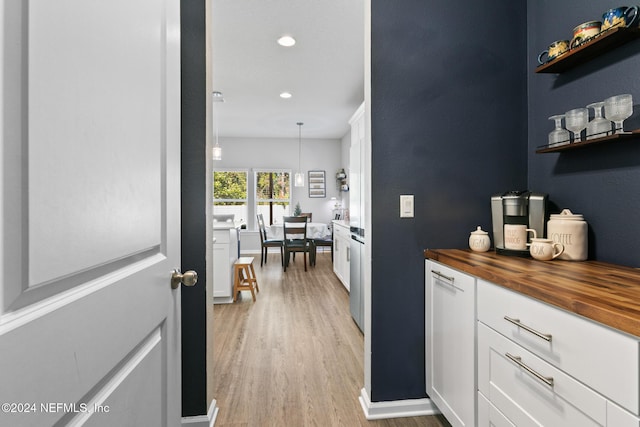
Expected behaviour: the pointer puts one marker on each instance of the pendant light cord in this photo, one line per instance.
(299, 145)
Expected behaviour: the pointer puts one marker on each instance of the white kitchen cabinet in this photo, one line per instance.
(489, 415)
(540, 365)
(450, 342)
(225, 253)
(341, 251)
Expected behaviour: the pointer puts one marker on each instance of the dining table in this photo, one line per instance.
(315, 230)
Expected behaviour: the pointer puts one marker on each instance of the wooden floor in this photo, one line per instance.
(295, 356)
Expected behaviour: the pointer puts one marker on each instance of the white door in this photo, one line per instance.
(89, 178)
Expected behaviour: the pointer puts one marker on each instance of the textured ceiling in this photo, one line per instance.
(324, 70)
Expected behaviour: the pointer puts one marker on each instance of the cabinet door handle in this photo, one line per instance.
(348, 254)
(518, 361)
(446, 279)
(546, 337)
(442, 276)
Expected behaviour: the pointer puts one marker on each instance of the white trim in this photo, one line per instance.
(396, 408)
(116, 380)
(208, 420)
(18, 318)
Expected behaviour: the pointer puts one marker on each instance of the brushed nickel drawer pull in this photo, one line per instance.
(442, 276)
(546, 337)
(518, 361)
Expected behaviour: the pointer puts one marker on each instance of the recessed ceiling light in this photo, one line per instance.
(285, 95)
(286, 41)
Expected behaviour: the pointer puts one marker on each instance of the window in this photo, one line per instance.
(230, 194)
(273, 195)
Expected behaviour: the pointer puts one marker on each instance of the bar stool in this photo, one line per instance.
(244, 277)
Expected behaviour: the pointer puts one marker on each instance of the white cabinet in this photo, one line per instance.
(357, 169)
(341, 251)
(225, 253)
(450, 342)
(540, 365)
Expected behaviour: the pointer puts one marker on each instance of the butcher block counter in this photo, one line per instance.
(605, 293)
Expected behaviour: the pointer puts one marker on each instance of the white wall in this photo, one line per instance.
(275, 153)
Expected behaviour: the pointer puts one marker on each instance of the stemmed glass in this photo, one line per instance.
(599, 126)
(558, 136)
(617, 109)
(576, 120)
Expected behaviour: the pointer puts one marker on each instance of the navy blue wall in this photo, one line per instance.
(194, 322)
(602, 182)
(449, 125)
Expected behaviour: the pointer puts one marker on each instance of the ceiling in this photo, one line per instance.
(324, 71)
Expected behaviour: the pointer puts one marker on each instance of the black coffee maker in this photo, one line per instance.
(517, 207)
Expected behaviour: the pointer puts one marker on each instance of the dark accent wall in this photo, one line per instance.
(194, 367)
(449, 125)
(602, 182)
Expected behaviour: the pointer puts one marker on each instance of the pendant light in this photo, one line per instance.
(217, 150)
(299, 177)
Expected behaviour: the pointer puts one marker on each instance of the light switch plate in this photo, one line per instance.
(406, 206)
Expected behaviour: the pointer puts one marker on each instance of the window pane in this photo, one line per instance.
(230, 185)
(272, 186)
(230, 194)
(279, 209)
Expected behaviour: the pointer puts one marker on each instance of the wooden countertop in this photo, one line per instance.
(606, 293)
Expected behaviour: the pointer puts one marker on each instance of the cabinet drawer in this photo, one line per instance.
(489, 415)
(530, 391)
(222, 237)
(341, 231)
(604, 359)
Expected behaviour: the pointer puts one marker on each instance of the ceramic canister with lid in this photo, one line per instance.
(479, 240)
(571, 230)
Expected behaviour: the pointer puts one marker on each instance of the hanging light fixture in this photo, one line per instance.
(217, 150)
(299, 177)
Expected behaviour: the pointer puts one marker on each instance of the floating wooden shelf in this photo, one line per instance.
(602, 43)
(618, 137)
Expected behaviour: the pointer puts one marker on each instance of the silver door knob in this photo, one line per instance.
(189, 278)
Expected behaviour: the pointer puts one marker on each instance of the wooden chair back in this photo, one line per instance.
(262, 228)
(294, 228)
(309, 215)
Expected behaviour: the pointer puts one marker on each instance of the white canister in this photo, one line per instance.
(571, 230)
(479, 240)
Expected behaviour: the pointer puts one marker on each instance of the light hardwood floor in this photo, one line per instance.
(295, 356)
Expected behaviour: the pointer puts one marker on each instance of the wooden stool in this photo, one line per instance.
(244, 277)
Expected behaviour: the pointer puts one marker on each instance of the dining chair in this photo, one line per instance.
(295, 238)
(266, 243)
(321, 242)
(309, 216)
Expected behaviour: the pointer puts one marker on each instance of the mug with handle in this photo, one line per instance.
(515, 236)
(545, 249)
(555, 49)
(619, 17)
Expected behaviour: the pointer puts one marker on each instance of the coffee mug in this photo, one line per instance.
(584, 32)
(515, 236)
(555, 49)
(545, 249)
(619, 17)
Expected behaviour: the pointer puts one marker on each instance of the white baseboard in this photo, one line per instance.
(396, 408)
(208, 420)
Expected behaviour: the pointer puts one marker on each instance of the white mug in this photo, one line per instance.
(545, 249)
(515, 236)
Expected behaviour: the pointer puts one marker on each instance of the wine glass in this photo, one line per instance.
(558, 136)
(599, 126)
(617, 109)
(576, 120)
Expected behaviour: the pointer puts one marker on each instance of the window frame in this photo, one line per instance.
(244, 201)
(257, 201)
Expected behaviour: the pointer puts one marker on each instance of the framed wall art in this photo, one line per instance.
(317, 184)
